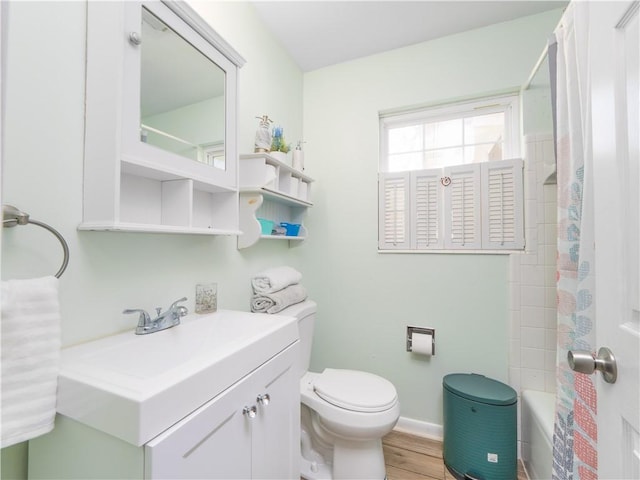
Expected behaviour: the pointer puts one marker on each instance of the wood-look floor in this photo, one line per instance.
(416, 458)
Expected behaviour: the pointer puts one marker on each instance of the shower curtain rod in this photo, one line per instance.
(543, 55)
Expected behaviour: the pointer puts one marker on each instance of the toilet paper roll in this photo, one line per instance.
(422, 344)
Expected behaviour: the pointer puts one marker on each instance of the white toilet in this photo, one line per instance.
(344, 414)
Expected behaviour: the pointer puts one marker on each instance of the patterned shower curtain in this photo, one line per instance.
(575, 431)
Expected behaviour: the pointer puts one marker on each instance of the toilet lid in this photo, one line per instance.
(355, 390)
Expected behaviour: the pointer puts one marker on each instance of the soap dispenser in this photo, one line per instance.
(263, 136)
(298, 157)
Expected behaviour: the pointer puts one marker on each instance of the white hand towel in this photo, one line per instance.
(274, 279)
(30, 357)
(277, 301)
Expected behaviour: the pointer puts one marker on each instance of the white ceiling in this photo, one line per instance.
(321, 33)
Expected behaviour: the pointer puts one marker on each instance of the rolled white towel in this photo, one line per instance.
(278, 301)
(274, 279)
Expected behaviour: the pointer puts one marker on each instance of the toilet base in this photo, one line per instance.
(312, 470)
(329, 457)
(360, 460)
(364, 461)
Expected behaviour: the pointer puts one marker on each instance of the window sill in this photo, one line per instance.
(461, 251)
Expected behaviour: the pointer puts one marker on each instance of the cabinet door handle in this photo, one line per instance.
(264, 399)
(250, 412)
(134, 38)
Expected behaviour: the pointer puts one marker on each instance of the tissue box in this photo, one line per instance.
(266, 226)
(292, 229)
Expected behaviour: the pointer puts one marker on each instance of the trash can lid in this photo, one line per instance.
(480, 388)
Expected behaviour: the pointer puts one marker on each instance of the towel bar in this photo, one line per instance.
(11, 217)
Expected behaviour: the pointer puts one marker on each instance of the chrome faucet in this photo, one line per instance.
(165, 320)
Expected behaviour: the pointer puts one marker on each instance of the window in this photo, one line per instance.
(446, 180)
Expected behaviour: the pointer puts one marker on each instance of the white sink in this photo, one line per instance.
(136, 386)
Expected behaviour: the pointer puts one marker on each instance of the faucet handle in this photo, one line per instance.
(175, 304)
(180, 310)
(143, 319)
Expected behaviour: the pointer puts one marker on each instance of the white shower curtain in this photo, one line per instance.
(575, 430)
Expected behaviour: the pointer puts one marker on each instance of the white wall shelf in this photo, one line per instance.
(272, 190)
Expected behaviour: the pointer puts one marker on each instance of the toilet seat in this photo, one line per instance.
(355, 390)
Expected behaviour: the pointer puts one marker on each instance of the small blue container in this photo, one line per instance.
(293, 229)
(266, 226)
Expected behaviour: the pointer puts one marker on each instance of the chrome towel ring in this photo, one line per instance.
(11, 217)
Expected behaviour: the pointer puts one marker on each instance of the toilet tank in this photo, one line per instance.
(305, 312)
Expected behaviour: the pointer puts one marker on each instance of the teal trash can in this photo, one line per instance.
(480, 428)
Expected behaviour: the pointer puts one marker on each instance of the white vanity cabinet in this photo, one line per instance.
(249, 431)
(216, 397)
(272, 190)
(217, 441)
(160, 136)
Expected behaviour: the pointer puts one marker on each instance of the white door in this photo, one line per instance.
(614, 50)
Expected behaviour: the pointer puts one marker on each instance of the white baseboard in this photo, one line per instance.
(419, 428)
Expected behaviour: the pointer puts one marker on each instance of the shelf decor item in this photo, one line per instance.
(263, 137)
(266, 226)
(298, 157)
(206, 297)
(292, 229)
(279, 146)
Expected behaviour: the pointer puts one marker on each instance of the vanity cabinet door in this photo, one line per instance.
(239, 434)
(276, 428)
(214, 442)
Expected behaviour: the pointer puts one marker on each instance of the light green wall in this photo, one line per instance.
(536, 100)
(14, 462)
(367, 299)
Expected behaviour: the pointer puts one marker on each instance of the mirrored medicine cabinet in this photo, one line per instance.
(160, 137)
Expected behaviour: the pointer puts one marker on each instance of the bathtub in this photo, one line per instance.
(538, 411)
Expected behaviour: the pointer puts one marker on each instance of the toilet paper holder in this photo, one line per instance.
(423, 330)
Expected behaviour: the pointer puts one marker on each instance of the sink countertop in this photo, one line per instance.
(136, 386)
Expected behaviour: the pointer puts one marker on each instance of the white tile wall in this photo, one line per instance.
(532, 282)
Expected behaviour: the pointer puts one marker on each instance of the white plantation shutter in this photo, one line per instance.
(462, 207)
(394, 211)
(481, 208)
(502, 226)
(426, 209)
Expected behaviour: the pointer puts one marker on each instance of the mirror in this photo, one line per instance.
(182, 96)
